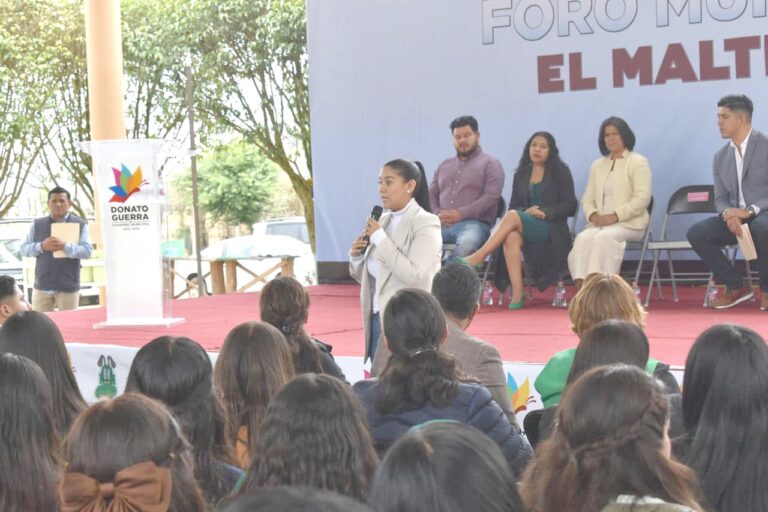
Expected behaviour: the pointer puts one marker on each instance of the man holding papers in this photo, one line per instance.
(58, 241)
(741, 198)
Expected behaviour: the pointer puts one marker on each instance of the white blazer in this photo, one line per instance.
(409, 258)
(631, 180)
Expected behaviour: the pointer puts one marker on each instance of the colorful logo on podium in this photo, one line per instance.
(126, 183)
(520, 396)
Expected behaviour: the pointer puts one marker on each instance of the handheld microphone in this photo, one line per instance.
(375, 215)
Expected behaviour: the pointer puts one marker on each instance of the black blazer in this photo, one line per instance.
(544, 260)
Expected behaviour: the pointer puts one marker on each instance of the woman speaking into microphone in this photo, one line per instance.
(400, 250)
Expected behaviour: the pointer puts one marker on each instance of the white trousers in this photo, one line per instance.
(600, 249)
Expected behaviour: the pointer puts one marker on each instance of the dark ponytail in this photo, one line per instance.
(413, 170)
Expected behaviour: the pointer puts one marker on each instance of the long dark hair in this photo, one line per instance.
(178, 372)
(29, 464)
(284, 303)
(112, 435)
(610, 342)
(254, 363)
(725, 412)
(553, 164)
(34, 335)
(413, 170)
(314, 435)
(417, 372)
(293, 499)
(445, 466)
(610, 439)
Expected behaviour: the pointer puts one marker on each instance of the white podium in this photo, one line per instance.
(131, 203)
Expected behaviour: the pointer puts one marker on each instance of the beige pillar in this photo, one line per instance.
(104, 58)
(104, 54)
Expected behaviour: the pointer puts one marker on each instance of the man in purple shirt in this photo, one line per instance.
(465, 190)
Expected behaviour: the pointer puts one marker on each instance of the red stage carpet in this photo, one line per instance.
(528, 335)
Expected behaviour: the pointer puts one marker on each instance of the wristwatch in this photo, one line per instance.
(751, 210)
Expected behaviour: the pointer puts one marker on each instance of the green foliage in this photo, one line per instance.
(235, 184)
(25, 65)
(250, 66)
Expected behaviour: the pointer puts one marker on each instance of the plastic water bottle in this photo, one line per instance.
(636, 292)
(712, 293)
(560, 300)
(488, 294)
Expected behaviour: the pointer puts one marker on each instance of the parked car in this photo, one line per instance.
(295, 227)
(10, 259)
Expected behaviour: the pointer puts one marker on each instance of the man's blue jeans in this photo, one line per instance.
(468, 235)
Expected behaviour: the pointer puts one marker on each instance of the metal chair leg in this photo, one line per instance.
(672, 276)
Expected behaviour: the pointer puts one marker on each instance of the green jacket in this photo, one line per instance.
(551, 381)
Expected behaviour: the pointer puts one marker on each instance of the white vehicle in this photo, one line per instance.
(295, 227)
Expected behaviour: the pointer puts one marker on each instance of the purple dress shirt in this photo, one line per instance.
(472, 185)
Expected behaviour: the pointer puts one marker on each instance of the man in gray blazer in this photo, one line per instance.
(457, 288)
(741, 197)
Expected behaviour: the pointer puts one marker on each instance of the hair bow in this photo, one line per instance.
(143, 486)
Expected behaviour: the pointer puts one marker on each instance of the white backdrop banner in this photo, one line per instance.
(388, 76)
(102, 370)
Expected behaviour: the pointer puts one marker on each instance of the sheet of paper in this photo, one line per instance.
(66, 232)
(746, 244)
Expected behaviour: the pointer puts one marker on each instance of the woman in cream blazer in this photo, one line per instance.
(615, 203)
(404, 249)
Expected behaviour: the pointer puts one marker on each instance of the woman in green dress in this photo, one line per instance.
(536, 223)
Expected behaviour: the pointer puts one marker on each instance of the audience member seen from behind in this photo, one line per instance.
(29, 463)
(34, 335)
(178, 373)
(465, 190)
(615, 203)
(725, 412)
(445, 466)
(610, 450)
(293, 499)
(421, 382)
(314, 434)
(610, 342)
(403, 251)
(537, 221)
(12, 299)
(457, 288)
(602, 297)
(128, 454)
(254, 363)
(284, 303)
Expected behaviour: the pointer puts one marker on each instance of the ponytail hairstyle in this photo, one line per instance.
(418, 372)
(284, 304)
(29, 444)
(413, 170)
(610, 439)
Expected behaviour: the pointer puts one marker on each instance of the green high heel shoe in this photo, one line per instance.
(463, 261)
(517, 305)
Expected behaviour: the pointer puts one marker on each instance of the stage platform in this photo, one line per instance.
(529, 335)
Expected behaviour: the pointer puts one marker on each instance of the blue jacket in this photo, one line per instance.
(472, 405)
